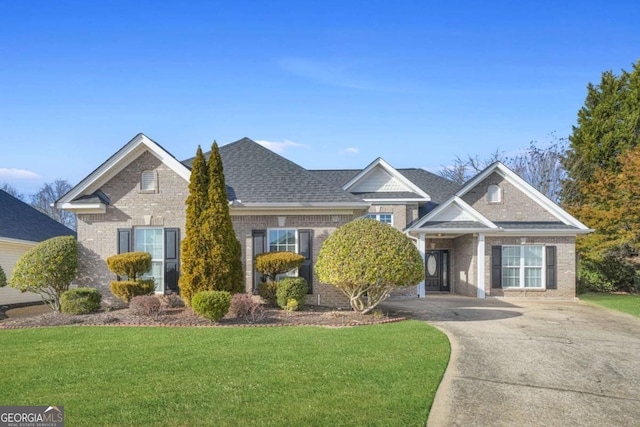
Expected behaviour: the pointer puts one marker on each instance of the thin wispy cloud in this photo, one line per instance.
(340, 72)
(13, 173)
(280, 146)
(351, 150)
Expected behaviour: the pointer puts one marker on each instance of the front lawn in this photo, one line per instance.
(384, 375)
(629, 304)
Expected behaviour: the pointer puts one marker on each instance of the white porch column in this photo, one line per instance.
(480, 261)
(421, 249)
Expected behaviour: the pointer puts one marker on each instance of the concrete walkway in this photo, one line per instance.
(533, 363)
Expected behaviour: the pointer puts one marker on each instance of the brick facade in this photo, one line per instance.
(130, 207)
(515, 205)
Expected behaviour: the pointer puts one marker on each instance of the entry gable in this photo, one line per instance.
(499, 194)
(86, 197)
(454, 214)
(379, 178)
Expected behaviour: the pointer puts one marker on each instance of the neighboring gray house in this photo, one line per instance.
(21, 228)
(136, 201)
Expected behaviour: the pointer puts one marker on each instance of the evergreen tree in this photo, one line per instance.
(194, 245)
(211, 254)
(225, 254)
(608, 125)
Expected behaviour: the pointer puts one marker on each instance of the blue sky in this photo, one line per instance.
(331, 84)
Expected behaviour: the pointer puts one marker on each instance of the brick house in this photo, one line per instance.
(136, 201)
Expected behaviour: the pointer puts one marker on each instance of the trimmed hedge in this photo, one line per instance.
(130, 264)
(80, 301)
(212, 305)
(127, 289)
(295, 288)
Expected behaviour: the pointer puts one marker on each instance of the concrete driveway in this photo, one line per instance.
(533, 363)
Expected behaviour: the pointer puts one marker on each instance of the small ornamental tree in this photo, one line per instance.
(130, 264)
(366, 260)
(133, 265)
(270, 264)
(211, 253)
(3, 278)
(47, 269)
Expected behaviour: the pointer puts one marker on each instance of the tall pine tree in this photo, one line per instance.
(194, 245)
(211, 254)
(608, 125)
(225, 252)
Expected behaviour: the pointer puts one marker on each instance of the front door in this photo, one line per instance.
(436, 269)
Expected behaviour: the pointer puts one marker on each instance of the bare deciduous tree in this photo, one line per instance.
(45, 198)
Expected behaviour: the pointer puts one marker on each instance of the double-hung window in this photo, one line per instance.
(151, 240)
(522, 267)
(283, 239)
(387, 218)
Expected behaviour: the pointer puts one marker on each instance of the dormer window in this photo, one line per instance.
(148, 181)
(494, 194)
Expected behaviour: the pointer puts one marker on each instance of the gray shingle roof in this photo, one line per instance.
(534, 225)
(454, 224)
(20, 221)
(255, 174)
(439, 188)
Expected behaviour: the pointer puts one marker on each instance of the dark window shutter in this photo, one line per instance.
(305, 248)
(124, 243)
(124, 240)
(496, 266)
(259, 238)
(552, 269)
(171, 259)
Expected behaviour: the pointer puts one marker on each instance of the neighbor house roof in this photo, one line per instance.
(19, 221)
(256, 176)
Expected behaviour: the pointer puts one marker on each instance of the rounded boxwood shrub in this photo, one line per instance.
(80, 301)
(212, 305)
(127, 289)
(295, 288)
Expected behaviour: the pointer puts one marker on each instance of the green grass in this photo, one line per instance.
(629, 304)
(382, 375)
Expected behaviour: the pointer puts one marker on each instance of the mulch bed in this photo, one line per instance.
(172, 317)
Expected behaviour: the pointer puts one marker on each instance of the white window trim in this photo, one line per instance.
(522, 267)
(376, 216)
(498, 194)
(162, 269)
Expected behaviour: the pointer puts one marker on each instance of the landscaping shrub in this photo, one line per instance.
(212, 305)
(271, 264)
(295, 288)
(146, 305)
(366, 260)
(127, 289)
(243, 306)
(47, 269)
(3, 278)
(607, 274)
(267, 290)
(172, 301)
(80, 301)
(130, 264)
